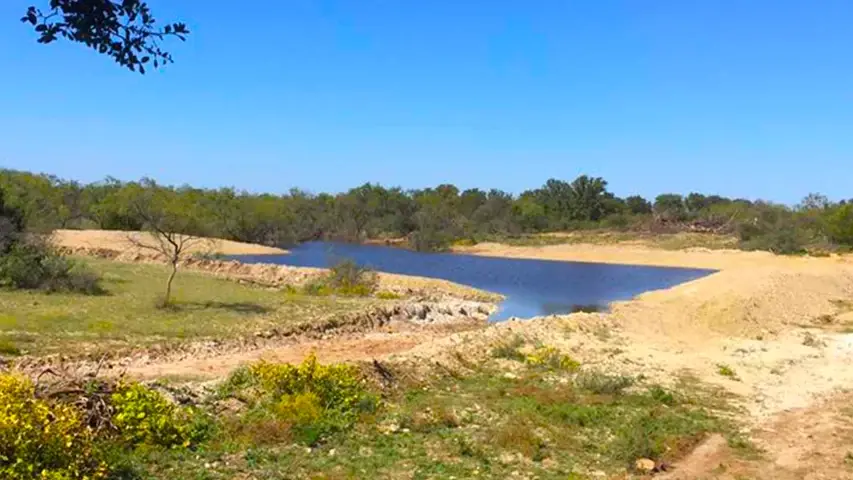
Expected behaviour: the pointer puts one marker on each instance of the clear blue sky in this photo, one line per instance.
(742, 98)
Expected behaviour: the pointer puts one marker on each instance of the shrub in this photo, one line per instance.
(35, 265)
(348, 278)
(145, 417)
(602, 383)
(785, 240)
(311, 399)
(550, 357)
(839, 224)
(338, 386)
(385, 295)
(344, 278)
(39, 439)
(726, 371)
(509, 349)
(317, 288)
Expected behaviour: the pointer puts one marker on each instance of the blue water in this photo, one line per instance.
(531, 287)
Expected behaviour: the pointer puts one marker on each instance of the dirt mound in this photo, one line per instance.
(748, 302)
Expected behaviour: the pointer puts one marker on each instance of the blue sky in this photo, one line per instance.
(742, 98)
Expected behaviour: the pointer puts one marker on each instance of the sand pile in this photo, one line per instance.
(745, 302)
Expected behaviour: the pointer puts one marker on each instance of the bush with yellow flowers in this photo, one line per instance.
(145, 417)
(43, 440)
(313, 399)
(551, 358)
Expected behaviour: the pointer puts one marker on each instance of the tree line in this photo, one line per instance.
(428, 219)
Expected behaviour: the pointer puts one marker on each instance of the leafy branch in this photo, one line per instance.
(125, 30)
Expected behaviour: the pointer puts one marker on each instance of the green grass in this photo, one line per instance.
(480, 425)
(204, 307)
(726, 371)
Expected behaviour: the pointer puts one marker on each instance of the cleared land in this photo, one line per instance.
(129, 241)
(677, 250)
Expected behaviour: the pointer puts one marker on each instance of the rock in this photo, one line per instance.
(644, 465)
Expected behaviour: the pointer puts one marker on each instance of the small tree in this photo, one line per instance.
(170, 220)
(638, 205)
(839, 224)
(670, 207)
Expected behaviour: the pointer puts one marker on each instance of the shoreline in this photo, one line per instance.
(633, 255)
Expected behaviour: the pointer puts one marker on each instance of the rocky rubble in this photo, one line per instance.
(449, 313)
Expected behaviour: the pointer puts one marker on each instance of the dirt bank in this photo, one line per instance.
(123, 241)
(278, 276)
(633, 254)
(775, 334)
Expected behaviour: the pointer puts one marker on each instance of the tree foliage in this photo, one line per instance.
(429, 218)
(125, 30)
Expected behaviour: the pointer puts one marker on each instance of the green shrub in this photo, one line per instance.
(317, 288)
(774, 229)
(464, 242)
(348, 278)
(385, 295)
(509, 349)
(35, 265)
(42, 440)
(344, 278)
(839, 224)
(145, 417)
(602, 383)
(726, 371)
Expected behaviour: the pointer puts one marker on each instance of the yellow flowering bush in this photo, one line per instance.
(311, 398)
(43, 440)
(550, 357)
(337, 386)
(145, 417)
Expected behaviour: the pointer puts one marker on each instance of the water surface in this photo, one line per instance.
(531, 287)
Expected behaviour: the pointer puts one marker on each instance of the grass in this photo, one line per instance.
(204, 307)
(509, 349)
(480, 425)
(726, 371)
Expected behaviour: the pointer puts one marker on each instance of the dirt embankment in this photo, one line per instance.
(631, 253)
(117, 246)
(124, 241)
(776, 333)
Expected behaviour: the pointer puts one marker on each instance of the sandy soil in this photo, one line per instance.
(784, 326)
(117, 240)
(633, 254)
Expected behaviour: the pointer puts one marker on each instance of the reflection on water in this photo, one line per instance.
(532, 287)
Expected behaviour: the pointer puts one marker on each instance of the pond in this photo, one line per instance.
(531, 287)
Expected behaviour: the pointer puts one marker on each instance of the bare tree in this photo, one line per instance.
(170, 224)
